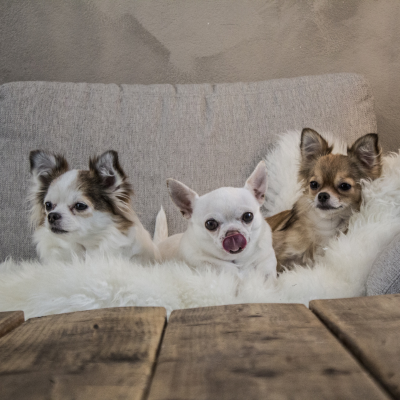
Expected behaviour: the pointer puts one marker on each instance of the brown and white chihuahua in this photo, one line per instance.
(332, 191)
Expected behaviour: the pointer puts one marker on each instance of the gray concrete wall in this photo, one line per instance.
(194, 41)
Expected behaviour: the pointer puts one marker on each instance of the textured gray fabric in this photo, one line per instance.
(385, 274)
(205, 135)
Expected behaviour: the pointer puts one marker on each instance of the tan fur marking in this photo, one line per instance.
(118, 205)
(277, 220)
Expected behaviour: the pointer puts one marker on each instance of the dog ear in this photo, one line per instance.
(367, 151)
(112, 179)
(257, 183)
(108, 170)
(45, 165)
(182, 196)
(313, 145)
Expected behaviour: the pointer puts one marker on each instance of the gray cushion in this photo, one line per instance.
(204, 135)
(385, 274)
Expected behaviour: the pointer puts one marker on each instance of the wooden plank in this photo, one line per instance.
(370, 328)
(10, 320)
(256, 351)
(100, 354)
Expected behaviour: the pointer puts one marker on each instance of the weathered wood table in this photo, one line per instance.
(370, 328)
(102, 354)
(340, 349)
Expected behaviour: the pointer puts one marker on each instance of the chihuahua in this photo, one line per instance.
(332, 192)
(82, 212)
(225, 227)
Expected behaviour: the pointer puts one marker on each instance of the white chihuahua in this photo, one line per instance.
(225, 227)
(85, 212)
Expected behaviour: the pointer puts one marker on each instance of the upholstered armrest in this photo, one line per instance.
(385, 274)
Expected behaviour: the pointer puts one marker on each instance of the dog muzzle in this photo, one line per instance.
(234, 242)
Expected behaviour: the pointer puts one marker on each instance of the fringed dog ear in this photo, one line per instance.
(182, 196)
(45, 167)
(113, 181)
(312, 146)
(45, 164)
(106, 167)
(257, 183)
(367, 152)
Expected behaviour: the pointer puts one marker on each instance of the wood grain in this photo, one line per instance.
(256, 351)
(370, 328)
(100, 354)
(10, 320)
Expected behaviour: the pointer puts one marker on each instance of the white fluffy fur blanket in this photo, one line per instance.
(96, 283)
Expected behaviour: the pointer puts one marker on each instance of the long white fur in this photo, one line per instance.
(101, 282)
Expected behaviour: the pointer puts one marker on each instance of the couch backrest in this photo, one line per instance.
(204, 135)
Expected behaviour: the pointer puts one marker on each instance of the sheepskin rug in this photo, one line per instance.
(55, 287)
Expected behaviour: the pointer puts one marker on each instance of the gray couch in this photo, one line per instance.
(204, 135)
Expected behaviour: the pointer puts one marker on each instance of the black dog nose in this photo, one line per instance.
(323, 197)
(53, 216)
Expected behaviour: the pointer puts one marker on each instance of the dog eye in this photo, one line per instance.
(81, 206)
(211, 224)
(247, 217)
(48, 206)
(345, 186)
(313, 185)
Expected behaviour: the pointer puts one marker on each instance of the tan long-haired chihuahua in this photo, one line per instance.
(332, 192)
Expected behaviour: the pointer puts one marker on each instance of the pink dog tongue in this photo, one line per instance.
(234, 243)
